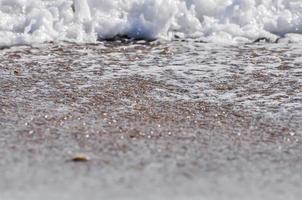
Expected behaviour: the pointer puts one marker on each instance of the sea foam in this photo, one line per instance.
(83, 21)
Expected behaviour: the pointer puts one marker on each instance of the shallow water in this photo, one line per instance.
(180, 119)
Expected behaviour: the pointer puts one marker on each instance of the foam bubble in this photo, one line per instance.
(227, 21)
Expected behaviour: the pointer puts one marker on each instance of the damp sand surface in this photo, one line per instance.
(151, 120)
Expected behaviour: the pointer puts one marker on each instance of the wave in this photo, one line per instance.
(226, 21)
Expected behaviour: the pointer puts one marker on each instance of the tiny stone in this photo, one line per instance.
(80, 158)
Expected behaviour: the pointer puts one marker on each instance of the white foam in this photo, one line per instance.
(226, 21)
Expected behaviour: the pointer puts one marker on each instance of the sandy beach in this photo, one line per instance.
(149, 123)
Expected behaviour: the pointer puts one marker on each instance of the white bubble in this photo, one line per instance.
(231, 21)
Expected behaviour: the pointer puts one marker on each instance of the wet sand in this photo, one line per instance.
(231, 130)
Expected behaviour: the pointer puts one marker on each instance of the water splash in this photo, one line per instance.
(221, 21)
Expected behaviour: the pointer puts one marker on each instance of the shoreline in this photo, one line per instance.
(163, 121)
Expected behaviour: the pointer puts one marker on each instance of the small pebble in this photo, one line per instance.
(80, 158)
(17, 72)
